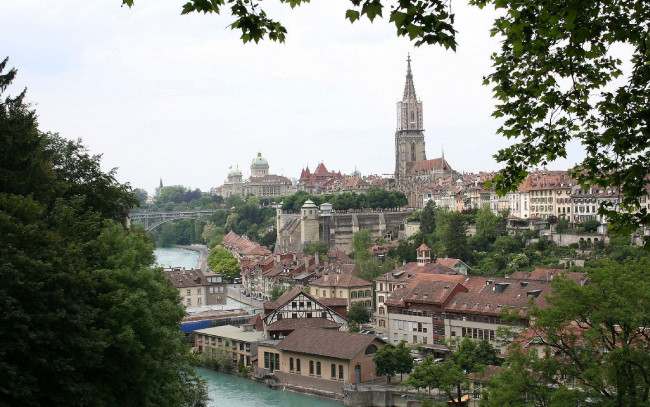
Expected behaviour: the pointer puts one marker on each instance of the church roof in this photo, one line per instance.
(436, 164)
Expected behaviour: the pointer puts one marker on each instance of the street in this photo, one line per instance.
(235, 294)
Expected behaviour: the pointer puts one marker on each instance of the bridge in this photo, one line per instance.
(154, 219)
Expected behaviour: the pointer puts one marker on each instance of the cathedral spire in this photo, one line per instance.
(409, 88)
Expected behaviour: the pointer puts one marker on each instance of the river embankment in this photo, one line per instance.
(203, 251)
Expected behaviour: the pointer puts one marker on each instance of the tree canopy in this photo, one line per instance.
(85, 320)
(592, 343)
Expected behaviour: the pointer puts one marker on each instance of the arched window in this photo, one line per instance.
(412, 151)
(371, 350)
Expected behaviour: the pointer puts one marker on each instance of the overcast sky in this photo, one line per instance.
(181, 98)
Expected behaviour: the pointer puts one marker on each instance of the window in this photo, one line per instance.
(309, 315)
(293, 305)
(241, 346)
(294, 315)
(189, 291)
(381, 311)
(311, 367)
(297, 365)
(340, 372)
(381, 298)
(198, 301)
(415, 339)
(189, 302)
(291, 364)
(371, 350)
(333, 371)
(317, 368)
(323, 314)
(198, 291)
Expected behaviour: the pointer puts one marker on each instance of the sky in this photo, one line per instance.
(182, 99)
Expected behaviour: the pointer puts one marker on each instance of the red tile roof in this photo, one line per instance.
(326, 342)
(340, 280)
(291, 324)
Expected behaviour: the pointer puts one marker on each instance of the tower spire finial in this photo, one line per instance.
(409, 88)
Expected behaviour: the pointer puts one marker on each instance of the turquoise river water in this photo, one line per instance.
(227, 390)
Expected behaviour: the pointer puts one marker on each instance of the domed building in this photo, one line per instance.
(259, 166)
(260, 183)
(234, 184)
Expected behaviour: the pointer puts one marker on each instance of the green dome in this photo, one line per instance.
(259, 160)
(235, 172)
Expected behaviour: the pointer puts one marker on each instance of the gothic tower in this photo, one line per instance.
(409, 137)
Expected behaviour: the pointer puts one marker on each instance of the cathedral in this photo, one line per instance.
(413, 172)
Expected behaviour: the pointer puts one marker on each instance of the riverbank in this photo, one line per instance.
(203, 251)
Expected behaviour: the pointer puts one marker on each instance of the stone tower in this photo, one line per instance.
(409, 137)
(308, 223)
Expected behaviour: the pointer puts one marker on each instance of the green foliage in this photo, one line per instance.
(84, 319)
(428, 221)
(596, 337)
(545, 41)
(316, 247)
(590, 225)
(486, 224)
(353, 327)
(362, 241)
(375, 198)
(218, 359)
(277, 291)
(223, 262)
(454, 238)
(405, 251)
(358, 313)
(562, 226)
(403, 358)
(385, 364)
(371, 268)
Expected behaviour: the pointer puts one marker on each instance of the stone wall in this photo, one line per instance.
(337, 229)
(566, 239)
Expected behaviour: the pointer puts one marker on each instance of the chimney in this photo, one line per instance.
(316, 259)
(247, 327)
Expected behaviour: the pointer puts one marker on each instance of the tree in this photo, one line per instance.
(403, 359)
(277, 291)
(358, 313)
(85, 320)
(594, 337)
(222, 261)
(486, 223)
(590, 225)
(385, 364)
(428, 218)
(362, 241)
(450, 376)
(562, 226)
(353, 327)
(455, 236)
(316, 247)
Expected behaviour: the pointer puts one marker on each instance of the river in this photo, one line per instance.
(227, 390)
